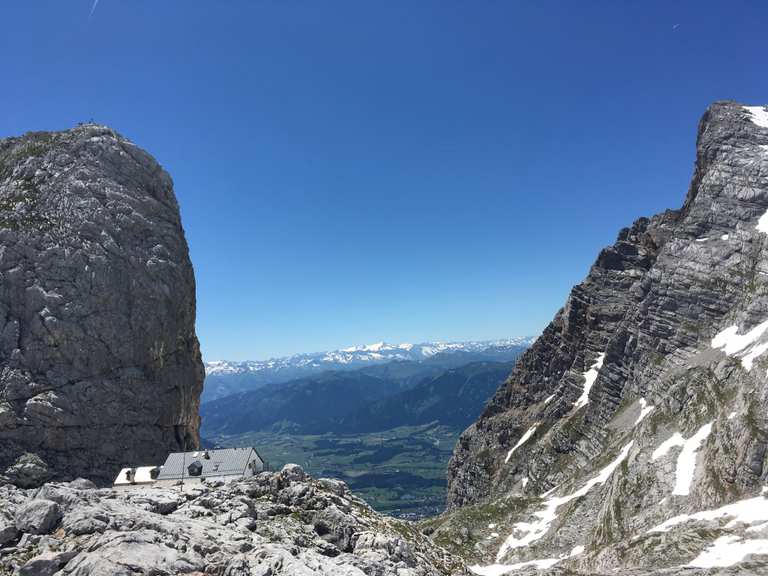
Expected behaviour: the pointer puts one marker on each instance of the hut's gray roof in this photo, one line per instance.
(222, 462)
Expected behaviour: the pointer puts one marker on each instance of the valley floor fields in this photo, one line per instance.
(400, 472)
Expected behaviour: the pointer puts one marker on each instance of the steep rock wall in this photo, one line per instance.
(664, 341)
(99, 362)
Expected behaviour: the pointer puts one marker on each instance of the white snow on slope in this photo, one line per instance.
(548, 399)
(543, 564)
(686, 461)
(759, 115)
(675, 440)
(748, 511)
(645, 409)
(523, 440)
(500, 569)
(744, 345)
(725, 237)
(732, 342)
(589, 378)
(525, 533)
(762, 224)
(727, 551)
(753, 353)
(577, 551)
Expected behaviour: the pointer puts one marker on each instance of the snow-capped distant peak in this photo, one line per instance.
(376, 353)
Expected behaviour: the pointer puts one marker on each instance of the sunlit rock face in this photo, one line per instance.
(99, 362)
(645, 399)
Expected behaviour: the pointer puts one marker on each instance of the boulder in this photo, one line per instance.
(46, 564)
(29, 471)
(38, 516)
(292, 473)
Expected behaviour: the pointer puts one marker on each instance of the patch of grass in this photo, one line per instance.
(20, 206)
(462, 530)
(35, 144)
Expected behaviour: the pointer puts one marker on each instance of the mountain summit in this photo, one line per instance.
(633, 433)
(100, 362)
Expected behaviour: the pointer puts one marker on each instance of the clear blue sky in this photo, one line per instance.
(358, 171)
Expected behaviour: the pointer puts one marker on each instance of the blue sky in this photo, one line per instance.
(358, 171)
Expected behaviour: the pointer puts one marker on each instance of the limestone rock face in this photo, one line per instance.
(277, 523)
(646, 397)
(99, 362)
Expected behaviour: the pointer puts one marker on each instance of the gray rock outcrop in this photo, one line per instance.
(38, 516)
(646, 398)
(99, 362)
(277, 523)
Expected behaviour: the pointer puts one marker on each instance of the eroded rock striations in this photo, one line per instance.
(277, 523)
(99, 363)
(633, 435)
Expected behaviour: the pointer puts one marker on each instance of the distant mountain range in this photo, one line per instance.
(360, 401)
(224, 378)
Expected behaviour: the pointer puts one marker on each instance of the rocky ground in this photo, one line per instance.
(277, 523)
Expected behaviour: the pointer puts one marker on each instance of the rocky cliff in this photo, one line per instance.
(99, 362)
(634, 433)
(278, 523)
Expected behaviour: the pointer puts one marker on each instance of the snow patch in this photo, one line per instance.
(748, 511)
(753, 353)
(725, 237)
(762, 224)
(543, 564)
(548, 399)
(686, 461)
(727, 551)
(523, 440)
(524, 482)
(524, 533)
(589, 378)
(675, 440)
(758, 114)
(645, 409)
(701, 239)
(500, 569)
(577, 551)
(732, 343)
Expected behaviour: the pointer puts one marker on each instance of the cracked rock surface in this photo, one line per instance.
(277, 523)
(99, 362)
